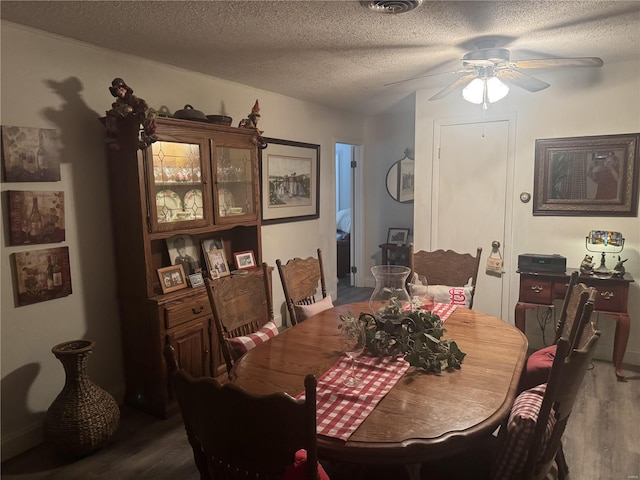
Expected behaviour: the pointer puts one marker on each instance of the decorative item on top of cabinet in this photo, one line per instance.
(198, 180)
(252, 122)
(127, 104)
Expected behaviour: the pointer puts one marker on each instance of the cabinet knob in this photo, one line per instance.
(536, 288)
(607, 295)
(197, 310)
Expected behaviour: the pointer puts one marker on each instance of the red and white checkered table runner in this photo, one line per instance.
(444, 310)
(340, 409)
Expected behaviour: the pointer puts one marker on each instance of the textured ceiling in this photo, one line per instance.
(338, 53)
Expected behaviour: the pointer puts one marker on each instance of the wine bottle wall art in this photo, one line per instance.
(42, 275)
(30, 154)
(36, 217)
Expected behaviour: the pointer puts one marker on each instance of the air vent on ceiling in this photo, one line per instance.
(392, 6)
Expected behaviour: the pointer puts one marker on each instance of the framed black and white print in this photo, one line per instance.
(290, 181)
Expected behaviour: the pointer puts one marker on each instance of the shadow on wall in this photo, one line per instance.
(14, 389)
(83, 147)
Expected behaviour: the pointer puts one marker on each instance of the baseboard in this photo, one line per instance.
(31, 436)
(19, 442)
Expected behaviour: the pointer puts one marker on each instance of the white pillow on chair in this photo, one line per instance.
(305, 311)
(455, 295)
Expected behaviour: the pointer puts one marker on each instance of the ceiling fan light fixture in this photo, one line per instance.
(485, 90)
(474, 91)
(496, 90)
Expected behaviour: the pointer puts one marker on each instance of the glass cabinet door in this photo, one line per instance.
(176, 183)
(234, 184)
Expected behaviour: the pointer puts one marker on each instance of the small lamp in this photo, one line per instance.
(601, 241)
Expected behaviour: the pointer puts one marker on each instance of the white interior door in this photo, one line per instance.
(470, 178)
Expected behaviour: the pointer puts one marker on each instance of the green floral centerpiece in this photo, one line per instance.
(418, 336)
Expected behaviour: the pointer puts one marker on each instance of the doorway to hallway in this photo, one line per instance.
(347, 213)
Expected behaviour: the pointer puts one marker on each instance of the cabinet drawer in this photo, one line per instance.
(611, 298)
(535, 290)
(181, 311)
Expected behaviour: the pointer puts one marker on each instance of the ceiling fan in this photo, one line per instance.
(481, 66)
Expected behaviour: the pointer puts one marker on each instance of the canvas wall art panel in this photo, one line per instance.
(30, 154)
(42, 275)
(36, 217)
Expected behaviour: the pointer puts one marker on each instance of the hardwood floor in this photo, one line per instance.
(602, 440)
(349, 294)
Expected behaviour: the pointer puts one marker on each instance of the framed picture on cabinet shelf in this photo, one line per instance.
(42, 275)
(398, 236)
(36, 217)
(196, 280)
(290, 181)
(30, 154)
(172, 278)
(245, 260)
(183, 251)
(216, 263)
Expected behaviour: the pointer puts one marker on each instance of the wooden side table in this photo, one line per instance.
(539, 289)
(393, 254)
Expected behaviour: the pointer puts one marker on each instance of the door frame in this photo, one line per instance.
(357, 209)
(508, 235)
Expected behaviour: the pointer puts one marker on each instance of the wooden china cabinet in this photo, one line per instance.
(198, 179)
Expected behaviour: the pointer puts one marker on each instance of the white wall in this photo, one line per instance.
(388, 135)
(49, 82)
(578, 103)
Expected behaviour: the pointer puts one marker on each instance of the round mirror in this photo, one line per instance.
(400, 180)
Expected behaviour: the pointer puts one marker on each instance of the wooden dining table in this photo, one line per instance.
(424, 416)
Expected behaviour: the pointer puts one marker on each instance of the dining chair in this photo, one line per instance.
(538, 364)
(237, 435)
(242, 311)
(555, 406)
(528, 445)
(300, 281)
(444, 269)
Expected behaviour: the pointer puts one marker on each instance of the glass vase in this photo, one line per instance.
(390, 301)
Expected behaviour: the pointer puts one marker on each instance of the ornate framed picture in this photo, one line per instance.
(172, 278)
(290, 181)
(245, 260)
(587, 176)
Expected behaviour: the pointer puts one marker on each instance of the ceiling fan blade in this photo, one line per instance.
(456, 84)
(522, 80)
(466, 70)
(558, 62)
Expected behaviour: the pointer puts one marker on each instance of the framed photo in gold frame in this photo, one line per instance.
(172, 278)
(587, 176)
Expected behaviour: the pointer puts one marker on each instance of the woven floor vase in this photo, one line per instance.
(83, 417)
